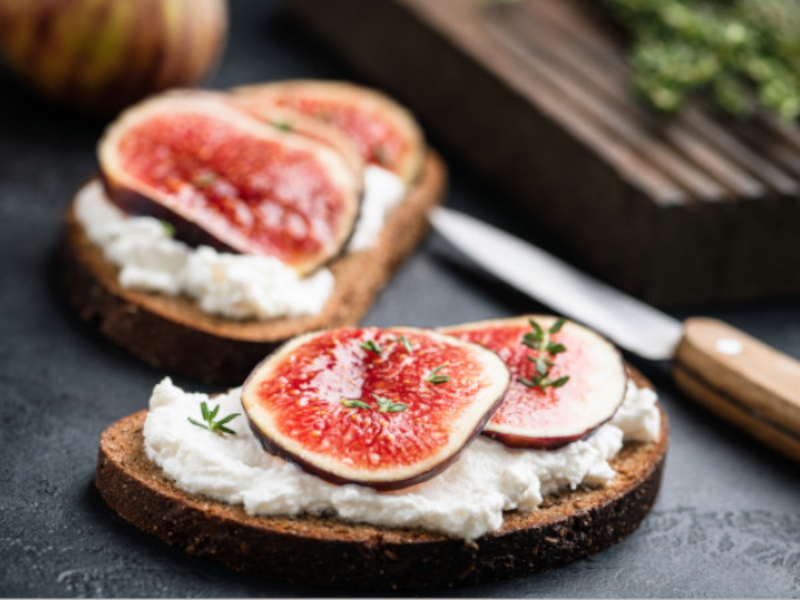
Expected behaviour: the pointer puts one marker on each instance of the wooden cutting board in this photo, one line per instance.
(536, 96)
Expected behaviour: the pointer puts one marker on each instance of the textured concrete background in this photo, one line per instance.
(727, 522)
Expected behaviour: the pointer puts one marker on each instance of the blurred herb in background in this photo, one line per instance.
(741, 52)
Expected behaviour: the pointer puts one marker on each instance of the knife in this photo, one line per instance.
(743, 380)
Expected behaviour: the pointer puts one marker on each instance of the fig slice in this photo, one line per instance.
(226, 179)
(558, 411)
(384, 132)
(291, 121)
(384, 408)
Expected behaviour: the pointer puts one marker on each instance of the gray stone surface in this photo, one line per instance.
(727, 522)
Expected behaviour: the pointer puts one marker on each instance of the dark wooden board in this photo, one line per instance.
(535, 95)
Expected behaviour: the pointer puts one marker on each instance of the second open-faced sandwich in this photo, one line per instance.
(224, 223)
(399, 457)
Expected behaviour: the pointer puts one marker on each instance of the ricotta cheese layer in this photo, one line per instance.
(236, 286)
(466, 500)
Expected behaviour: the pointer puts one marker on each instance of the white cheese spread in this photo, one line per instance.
(236, 286)
(467, 500)
(383, 191)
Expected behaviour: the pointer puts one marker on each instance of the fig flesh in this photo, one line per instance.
(384, 132)
(558, 411)
(291, 121)
(226, 179)
(385, 408)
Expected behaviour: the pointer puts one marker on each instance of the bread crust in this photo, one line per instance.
(329, 552)
(173, 333)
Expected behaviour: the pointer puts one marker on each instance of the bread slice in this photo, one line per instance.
(173, 333)
(329, 552)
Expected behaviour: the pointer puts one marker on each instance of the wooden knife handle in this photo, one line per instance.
(746, 382)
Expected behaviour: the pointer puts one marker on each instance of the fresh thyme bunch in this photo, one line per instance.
(740, 51)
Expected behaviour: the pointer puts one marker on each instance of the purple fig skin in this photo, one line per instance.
(136, 204)
(273, 447)
(528, 443)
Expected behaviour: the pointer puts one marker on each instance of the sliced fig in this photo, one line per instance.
(291, 121)
(385, 408)
(226, 179)
(550, 405)
(384, 132)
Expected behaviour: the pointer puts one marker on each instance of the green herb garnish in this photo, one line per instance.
(435, 378)
(739, 52)
(213, 426)
(403, 340)
(283, 126)
(539, 340)
(407, 344)
(168, 227)
(386, 405)
(371, 346)
(350, 403)
(204, 180)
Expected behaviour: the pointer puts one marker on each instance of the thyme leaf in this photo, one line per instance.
(283, 126)
(204, 180)
(434, 377)
(168, 227)
(350, 403)
(405, 341)
(387, 405)
(371, 346)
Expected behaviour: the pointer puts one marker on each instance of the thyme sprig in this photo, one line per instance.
(204, 180)
(169, 228)
(283, 126)
(384, 404)
(371, 346)
(387, 405)
(213, 426)
(403, 340)
(352, 403)
(434, 377)
(539, 339)
(740, 53)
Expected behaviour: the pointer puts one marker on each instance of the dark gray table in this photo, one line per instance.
(727, 522)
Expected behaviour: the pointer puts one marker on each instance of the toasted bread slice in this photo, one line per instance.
(173, 333)
(329, 552)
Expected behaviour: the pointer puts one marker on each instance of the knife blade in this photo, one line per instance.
(632, 324)
(750, 384)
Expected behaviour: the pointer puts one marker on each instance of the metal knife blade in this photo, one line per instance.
(632, 324)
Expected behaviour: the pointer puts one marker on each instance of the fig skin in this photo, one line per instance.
(63, 50)
(547, 442)
(136, 197)
(272, 446)
(348, 94)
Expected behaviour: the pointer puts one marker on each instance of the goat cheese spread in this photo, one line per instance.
(466, 500)
(237, 286)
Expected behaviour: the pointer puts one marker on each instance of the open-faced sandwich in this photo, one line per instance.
(400, 457)
(224, 223)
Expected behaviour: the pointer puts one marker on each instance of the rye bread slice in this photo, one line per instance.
(171, 332)
(329, 552)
